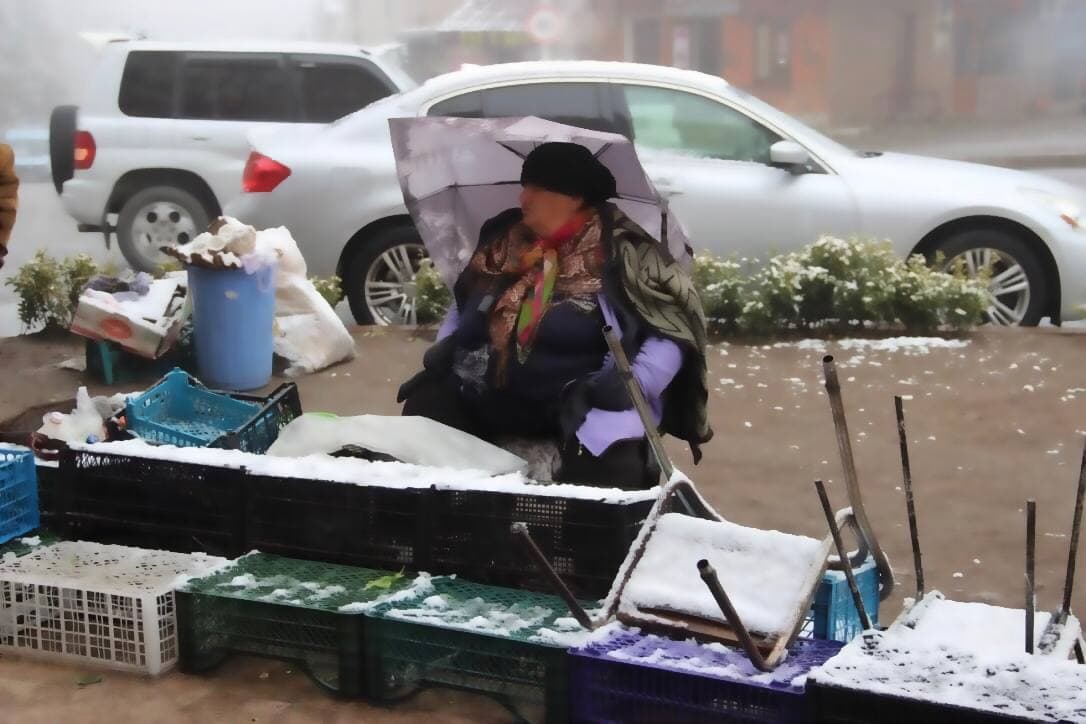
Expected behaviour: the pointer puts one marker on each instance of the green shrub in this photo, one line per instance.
(433, 297)
(331, 288)
(49, 289)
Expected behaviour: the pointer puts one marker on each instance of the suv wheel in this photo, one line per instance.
(156, 217)
(380, 278)
(1017, 288)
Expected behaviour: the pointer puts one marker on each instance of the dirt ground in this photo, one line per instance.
(992, 423)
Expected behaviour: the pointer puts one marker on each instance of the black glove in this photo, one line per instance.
(607, 390)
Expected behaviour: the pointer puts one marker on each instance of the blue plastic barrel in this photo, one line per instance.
(233, 314)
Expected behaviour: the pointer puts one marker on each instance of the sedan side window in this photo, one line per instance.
(693, 125)
(576, 104)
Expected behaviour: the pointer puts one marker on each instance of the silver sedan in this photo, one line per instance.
(744, 178)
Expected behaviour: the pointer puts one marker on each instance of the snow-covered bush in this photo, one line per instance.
(432, 297)
(720, 285)
(331, 288)
(837, 285)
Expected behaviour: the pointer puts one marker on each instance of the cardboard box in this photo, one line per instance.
(145, 325)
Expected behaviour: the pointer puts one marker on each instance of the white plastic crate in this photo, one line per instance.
(105, 605)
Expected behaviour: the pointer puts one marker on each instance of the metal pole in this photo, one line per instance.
(855, 498)
(638, 399)
(520, 531)
(857, 599)
(1072, 552)
(1031, 544)
(910, 506)
(708, 575)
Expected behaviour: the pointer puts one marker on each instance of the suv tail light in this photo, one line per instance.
(262, 174)
(84, 150)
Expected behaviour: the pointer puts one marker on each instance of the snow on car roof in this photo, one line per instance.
(569, 70)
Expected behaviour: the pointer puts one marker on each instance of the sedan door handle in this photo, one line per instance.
(199, 138)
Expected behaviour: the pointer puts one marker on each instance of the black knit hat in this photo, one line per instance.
(570, 169)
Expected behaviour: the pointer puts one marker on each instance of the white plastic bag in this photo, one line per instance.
(308, 332)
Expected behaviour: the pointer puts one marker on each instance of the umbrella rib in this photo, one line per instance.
(451, 187)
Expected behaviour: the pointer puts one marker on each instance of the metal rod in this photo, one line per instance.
(857, 599)
(852, 483)
(1072, 551)
(910, 506)
(1031, 544)
(1079, 656)
(638, 399)
(520, 531)
(708, 575)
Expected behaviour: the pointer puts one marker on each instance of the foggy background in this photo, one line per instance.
(993, 81)
(843, 65)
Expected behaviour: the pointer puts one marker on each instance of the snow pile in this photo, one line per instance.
(910, 346)
(765, 573)
(965, 655)
(351, 471)
(416, 440)
(421, 585)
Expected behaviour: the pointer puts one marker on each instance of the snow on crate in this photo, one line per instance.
(353, 471)
(909, 346)
(763, 571)
(981, 628)
(944, 661)
(107, 605)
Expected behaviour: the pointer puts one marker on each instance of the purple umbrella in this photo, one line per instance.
(458, 172)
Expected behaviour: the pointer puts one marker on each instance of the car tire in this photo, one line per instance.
(379, 278)
(62, 144)
(155, 217)
(1015, 265)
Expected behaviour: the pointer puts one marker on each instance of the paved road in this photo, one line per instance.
(42, 222)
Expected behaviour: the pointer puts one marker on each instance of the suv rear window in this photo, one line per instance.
(332, 90)
(148, 84)
(236, 89)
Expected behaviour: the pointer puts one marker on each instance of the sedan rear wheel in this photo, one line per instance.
(1017, 284)
(380, 278)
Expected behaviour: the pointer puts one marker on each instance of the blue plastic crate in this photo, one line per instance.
(630, 677)
(833, 614)
(18, 493)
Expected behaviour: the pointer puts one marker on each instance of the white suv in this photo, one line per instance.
(160, 142)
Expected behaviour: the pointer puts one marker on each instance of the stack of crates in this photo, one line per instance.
(18, 493)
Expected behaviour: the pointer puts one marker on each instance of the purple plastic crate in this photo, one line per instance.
(634, 678)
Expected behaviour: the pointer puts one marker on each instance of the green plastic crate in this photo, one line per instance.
(460, 634)
(285, 609)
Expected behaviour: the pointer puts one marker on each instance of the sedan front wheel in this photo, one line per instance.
(1017, 284)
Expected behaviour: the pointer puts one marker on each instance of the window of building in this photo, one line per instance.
(772, 54)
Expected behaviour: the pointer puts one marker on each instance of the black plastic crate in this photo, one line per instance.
(48, 482)
(283, 609)
(837, 705)
(585, 540)
(359, 525)
(149, 503)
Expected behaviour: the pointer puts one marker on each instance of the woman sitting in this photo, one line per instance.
(522, 351)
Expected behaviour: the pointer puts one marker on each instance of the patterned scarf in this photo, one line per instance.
(568, 263)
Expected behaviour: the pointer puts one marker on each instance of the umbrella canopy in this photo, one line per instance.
(458, 172)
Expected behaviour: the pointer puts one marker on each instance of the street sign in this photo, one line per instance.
(545, 24)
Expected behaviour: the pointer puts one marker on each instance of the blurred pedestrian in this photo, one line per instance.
(9, 197)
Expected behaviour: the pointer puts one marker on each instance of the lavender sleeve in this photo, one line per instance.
(656, 364)
(448, 325)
